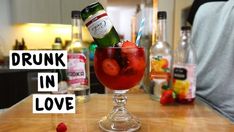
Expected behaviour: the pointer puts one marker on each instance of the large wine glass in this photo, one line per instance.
(119, 69)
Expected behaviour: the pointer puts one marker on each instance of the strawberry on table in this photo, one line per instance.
(168, 97)
(61, 127)
(110, 67)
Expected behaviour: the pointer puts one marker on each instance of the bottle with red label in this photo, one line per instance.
(78, 62)
(160, 60)
(99, 25)
(184, 67)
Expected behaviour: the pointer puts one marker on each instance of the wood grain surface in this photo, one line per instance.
(154, 117)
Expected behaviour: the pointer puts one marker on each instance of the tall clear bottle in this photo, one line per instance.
(184, 76)
(160, 60)
(78, 62)
(99, 25)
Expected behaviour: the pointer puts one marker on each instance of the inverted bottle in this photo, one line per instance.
(99, 25)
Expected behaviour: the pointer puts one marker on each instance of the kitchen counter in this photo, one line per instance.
(153, 116)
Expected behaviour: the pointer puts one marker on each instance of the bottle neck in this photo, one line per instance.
(76, 30)
(162, 35)
(185, 37)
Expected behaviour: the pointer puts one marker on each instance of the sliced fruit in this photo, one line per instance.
(181, 86)
(164, 63)
(110, 67)
(136, 63)
(128, 44)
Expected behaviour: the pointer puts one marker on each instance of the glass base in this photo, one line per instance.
(128, 125)
(119, 120)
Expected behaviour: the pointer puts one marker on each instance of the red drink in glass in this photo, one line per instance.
(119, 68)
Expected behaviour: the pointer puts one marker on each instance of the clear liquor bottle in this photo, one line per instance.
(184, 67)
(99, 25)
(160, 60)
(78, 62)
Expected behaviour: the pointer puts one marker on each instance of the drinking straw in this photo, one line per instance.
(140, 31)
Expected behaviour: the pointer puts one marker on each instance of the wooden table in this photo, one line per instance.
(154, 117)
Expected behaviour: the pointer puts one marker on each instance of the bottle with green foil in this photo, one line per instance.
(99, 25)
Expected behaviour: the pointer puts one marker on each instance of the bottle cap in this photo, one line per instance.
(91, 6)
(162, 15)
(91, 9)
(75, 14)
(58, 40)
(185, 28)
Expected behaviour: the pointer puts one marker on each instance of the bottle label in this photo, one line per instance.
(76, 69)
(160, 72)
(184, 82)
(99, 24)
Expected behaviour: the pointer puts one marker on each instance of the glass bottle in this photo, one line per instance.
(57, 45)
(78, 62)
(99, 25)
(160, 60)
(62, 77)
(24, 47)
(184, 76)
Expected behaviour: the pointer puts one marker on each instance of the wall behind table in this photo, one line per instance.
(37, 36)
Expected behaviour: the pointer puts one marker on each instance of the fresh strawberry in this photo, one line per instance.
(110, 67)
(61, 127)
(128, 44)
(136, 63)
(168, 97)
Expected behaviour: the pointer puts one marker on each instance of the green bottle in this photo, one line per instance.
(99, 25)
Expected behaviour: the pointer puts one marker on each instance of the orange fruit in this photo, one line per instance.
(164, 63)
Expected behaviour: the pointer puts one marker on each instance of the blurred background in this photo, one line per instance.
(40, 21)
(36, 24)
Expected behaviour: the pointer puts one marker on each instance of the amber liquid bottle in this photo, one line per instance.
(62, 77)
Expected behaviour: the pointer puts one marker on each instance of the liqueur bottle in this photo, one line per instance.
(78, 62)
(160, 60)
(184, 76)
(57, 45)
(99, 25)
(62, 77)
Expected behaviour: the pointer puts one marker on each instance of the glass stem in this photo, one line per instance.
(120, 100)
(120, 112)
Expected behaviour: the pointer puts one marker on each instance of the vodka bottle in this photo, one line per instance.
(184, 76)
(78, 62)
(160, 60)
(99, 25)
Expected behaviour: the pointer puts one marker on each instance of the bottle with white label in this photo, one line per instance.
(78, 62)
(99, 25)
(160, 61)
(184, 67)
